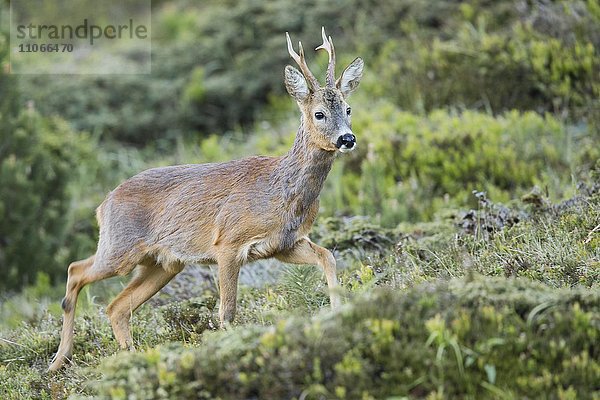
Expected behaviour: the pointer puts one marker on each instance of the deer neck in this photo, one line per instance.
(302, 172)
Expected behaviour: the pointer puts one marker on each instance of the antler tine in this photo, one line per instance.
(299, 58)
(328, 46)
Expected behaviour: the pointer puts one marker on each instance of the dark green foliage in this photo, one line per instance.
(130, 108)
(213, 72)
(9, 101)
(411, 166)
(480, 338)
(42, 162)
(39, 159)
(544, 58)
(190, 318)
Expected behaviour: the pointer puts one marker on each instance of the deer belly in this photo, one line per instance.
(257, 249)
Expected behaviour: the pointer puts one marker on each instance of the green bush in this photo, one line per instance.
(44, 167)
(545, 60)
(481, 338)
(212, 72)
(413, 166)
(132, 109)
(10, 100)
(40, 159)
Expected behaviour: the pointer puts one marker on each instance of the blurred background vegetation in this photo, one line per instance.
(495, 96)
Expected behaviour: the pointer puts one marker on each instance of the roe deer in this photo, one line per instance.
(225, 213)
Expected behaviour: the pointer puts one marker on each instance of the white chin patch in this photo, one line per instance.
(345, 149)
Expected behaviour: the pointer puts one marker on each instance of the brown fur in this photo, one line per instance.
(226, 213)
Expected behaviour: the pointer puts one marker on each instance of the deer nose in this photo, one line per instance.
(346, 141)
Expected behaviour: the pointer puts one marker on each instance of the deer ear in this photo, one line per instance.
(350, 77)
(295, 83)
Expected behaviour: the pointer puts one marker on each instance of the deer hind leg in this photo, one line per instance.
(148, 280)
(228, 273)
(80, 273)
(306, 252)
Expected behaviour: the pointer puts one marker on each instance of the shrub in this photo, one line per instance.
(414, 166)
(9, 102)
(480, 338)
(132, 109)
(190, 318)
(555, 244)
(40, 159)
(212, 72)
(544, 60)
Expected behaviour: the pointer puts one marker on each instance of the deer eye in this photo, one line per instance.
(348, 111)
(319, 115)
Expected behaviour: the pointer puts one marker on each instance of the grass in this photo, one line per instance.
(555, 245)
(457, 338)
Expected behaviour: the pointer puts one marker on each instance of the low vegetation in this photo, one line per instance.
(494, 302)
(478, 338)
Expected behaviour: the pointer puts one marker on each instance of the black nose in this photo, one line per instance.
(348, 140)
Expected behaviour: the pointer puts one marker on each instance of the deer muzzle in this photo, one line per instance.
(346, 142)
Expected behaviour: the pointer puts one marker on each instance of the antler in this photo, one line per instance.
(328, 46)
(312, 81)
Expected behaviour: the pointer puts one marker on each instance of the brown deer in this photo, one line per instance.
(225, 213)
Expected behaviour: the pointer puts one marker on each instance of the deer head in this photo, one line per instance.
(325, 114)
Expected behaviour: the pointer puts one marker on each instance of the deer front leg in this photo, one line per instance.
(229, 270)
(306, 252)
